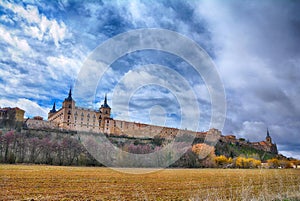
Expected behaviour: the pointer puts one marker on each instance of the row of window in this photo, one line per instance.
(88, 115)
(57, 116)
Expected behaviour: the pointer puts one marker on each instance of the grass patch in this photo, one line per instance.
(26, 182)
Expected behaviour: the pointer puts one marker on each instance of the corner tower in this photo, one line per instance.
(68, 107)
(69, 102)
(272, 146)
(268, 137)
(105, 109)
(104, 113)
(53, 111)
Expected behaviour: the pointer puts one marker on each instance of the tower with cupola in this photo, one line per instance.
(68, 107)
(104, 112)
(268, 137)
(52, 111)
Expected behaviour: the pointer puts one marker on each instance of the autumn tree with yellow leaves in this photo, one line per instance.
(241, 162)
(223, 161)
(205, 153)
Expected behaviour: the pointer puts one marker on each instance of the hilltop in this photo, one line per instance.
(38, 141)
(62, 147)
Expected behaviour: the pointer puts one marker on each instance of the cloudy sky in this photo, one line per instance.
(254, 46)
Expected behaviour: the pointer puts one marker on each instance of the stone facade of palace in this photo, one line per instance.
(72, 117)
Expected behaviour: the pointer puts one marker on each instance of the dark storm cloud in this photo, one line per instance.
(257, 53)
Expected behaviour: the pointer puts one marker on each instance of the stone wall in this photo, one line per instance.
(40, 124)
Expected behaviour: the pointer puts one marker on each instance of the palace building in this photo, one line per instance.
(72, 117)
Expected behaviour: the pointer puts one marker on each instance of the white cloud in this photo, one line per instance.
(34, 32)
(51, 30)
(57, 31)
(141, 14)
(31, 108)
(14, 41)
(202, 92)
(31, 13)
(38, 25)
(62, 65)
(153, 84)
(136, 8)
(6, 19)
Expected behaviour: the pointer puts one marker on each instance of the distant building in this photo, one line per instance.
(230, 138)
(11, 117)
(38, 118)
(268, 138)
(266, 145)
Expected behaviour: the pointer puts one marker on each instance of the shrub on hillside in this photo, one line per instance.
(205, 153)
(223, 161)
(273, 163)
(241, 162)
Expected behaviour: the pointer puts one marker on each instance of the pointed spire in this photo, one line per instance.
(70, 95)
(105, 105)
(53, 108)
(268, 134)
(105, 99)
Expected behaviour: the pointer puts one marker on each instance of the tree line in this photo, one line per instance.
(67, 149)
(16, 147)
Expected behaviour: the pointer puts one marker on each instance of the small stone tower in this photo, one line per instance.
(268, 138)
(272, 146)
